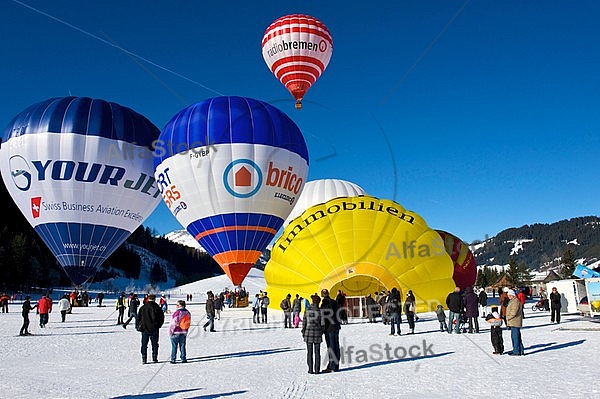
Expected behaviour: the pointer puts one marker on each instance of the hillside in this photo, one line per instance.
(542, 246)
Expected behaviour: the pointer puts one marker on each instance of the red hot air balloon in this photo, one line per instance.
(465, 266)
(297, 49)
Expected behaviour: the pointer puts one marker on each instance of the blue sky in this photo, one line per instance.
(486, 123)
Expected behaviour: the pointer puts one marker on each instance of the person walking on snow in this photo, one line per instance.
(63, 306)
(44, 308)
(134, 303)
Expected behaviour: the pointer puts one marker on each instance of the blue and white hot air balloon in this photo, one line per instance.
(81, 171)
(231, 169)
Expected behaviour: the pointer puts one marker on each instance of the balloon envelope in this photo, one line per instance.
(465, 266)
(319, 191)
(80, 170)
(360, 245)
(297, 49)
(230, 169)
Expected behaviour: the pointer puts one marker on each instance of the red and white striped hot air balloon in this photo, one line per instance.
(297, 49)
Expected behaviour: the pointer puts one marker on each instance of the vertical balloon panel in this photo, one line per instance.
(80, 171)
(238, 169)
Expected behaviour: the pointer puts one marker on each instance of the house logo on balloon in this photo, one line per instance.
(242, 178)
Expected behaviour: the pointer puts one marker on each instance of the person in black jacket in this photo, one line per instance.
(149, 320)
(555, 306)
(394, 310)
(332, 325)
(210, 311)
(455, 305)
(483, 302)
(26, 308)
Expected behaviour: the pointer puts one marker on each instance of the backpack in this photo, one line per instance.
(185, 322)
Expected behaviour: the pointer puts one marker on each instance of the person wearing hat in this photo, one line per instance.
(149, 320)
(514, 320)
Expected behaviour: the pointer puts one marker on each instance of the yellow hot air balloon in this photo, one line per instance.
(360, 245)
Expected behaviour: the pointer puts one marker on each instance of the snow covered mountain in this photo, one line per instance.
(184, 238)
(542, 246)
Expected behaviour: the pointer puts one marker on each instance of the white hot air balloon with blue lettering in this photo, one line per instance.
(81, 171)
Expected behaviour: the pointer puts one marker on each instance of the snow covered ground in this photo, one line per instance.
(89, 356)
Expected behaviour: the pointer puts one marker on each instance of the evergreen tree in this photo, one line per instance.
(482, 277)
(517, 274)
(157, 274)
(568, 263)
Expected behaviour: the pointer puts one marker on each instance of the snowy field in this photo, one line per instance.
(89, 356)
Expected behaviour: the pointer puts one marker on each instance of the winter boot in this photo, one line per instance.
(144, 360)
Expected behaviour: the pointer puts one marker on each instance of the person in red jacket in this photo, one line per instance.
(44, 306)
(522, 298)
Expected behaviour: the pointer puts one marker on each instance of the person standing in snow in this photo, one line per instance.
(63, 306)
(454, 302)
(332, 325)
(441, 316)
(210, 311)
(522, 298)
(149, 320)
(503, 301)
(121, 305)
(483, 302)
(134, 303)
(100, 298)
(410, 308)
(471, 309)
(555, 306)
(394, 310)
(4, 302)
(514, 320)
(178, 329)
(256, 309)
(341, 301)
(286, 306)
(312, 332)
(264, 305)
(44, 307)
(495, 321)
(296, 308)
(26, 308)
